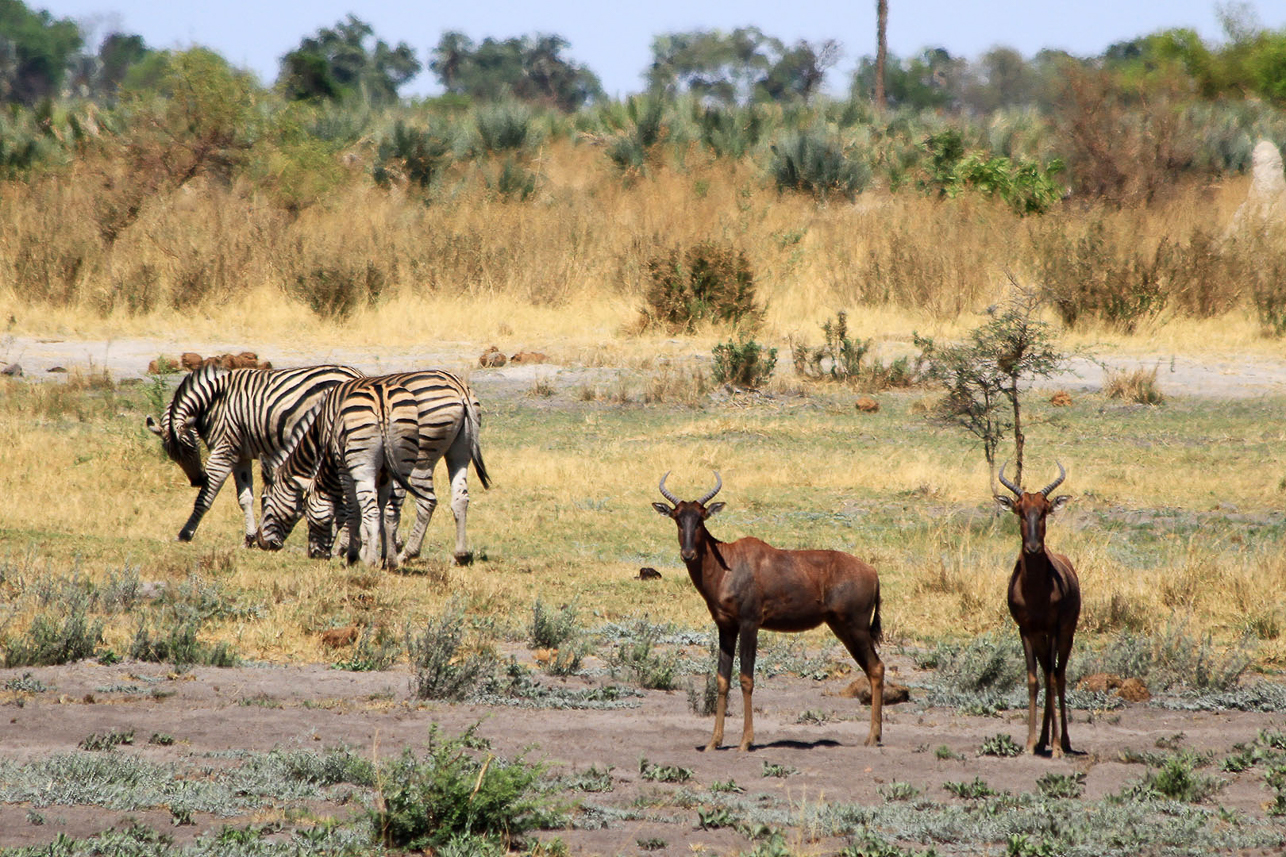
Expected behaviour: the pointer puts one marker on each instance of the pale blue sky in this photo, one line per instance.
(614, 38)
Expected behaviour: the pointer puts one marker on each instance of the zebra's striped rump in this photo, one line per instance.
(241, 414)
(336, 455)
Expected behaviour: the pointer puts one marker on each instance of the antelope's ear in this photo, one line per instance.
(663, 509)
(152, 426)
(1004, 502)
(714, 509)
(1059, 502)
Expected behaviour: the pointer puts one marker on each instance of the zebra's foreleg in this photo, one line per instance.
(217, 468)
(242, 475)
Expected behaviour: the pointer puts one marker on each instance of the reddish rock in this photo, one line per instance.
(529, 357)
(492, 358)
(1061, 399)
(1100, 682)
(1134, 690)
(867, 405)
(191, 361)
(860, 689)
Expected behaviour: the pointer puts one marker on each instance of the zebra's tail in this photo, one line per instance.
(394, 470)
(473, 418)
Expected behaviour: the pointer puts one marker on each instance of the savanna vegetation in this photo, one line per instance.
(813, 245)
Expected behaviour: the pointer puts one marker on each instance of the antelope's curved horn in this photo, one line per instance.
(666, 494)
(1062, 474)
(1011, 486)
(718, 483)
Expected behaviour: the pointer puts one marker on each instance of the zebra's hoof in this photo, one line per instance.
(185, 536)
(464, 558)
(250, 541)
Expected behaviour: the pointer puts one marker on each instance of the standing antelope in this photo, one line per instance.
(749, 585)
(1045, 601)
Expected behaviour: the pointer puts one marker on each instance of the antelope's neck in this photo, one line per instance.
(707, 569)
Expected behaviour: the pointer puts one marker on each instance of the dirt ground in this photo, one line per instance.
(312, 707)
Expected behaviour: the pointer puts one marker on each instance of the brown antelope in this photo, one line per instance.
(1045, 601)
(749, 585)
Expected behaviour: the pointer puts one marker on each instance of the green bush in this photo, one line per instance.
(637, 658)
(441, 669)
(427, 802)
(639, 132)
(54, 639)
(174, 641)
(1000, 745)
(417, 155)
(743, 364)
(551, 629)
(817, 162)
(709, 281)
(508, 127)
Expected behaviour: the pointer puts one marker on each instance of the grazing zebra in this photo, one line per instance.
(365, 438)
(449, 424)
(241, 414)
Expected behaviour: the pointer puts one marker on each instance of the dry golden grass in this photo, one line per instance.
(562, 271)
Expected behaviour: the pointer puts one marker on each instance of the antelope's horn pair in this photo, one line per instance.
(1062, 474)
(707, 498)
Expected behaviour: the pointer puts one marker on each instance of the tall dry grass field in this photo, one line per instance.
(366, 265)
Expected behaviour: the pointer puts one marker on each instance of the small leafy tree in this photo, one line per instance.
(984, 376)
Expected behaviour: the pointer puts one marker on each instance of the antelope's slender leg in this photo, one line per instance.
(862, 648)
(749, 645)
(1064, 652)
(727, 643)
(1033, 687)
(1049, 726)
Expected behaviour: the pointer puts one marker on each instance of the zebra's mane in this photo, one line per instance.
(191, 399)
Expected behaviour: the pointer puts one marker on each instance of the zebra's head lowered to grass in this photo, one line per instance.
(182, 447)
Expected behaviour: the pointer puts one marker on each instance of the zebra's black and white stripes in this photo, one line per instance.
(241, 414)
(449, 424)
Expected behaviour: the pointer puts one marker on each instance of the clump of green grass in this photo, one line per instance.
(1000, 745)
(109, 740)
(551, 629)
(898, 791)
(174, 640)
(771, 769)
(970, 791)
(442, 670)
(57, 636)
(743, 363)
(1176, 778)
(425, 802)
(663, 773)
(1056, 785)
(638, 658)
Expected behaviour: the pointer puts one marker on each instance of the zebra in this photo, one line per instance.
(241, 414)
(449, 423)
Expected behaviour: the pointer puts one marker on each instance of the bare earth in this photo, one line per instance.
(253, 708)
(313, 707)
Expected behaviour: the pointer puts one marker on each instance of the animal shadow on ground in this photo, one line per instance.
(785, 744)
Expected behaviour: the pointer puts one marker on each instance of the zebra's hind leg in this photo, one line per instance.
(458, 469)
(422, 479)
(388, 525)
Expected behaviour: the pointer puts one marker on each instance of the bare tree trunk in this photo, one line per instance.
(881, 49)
(1019, 438)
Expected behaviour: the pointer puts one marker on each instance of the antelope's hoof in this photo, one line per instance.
(873, 741)
(711, 747)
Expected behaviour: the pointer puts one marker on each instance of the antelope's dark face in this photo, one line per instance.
(183, 449)
(690, 515)
(1032, 509)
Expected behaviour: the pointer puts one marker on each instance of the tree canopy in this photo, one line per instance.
(346, 60)
(528, 68)
(740, 66)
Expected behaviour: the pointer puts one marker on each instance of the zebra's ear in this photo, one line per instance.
(152, 426)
